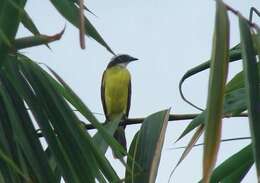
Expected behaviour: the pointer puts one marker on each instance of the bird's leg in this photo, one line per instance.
(123, 121)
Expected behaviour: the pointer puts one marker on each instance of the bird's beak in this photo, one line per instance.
(133, 59)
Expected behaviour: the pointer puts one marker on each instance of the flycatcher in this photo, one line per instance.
(116, 93)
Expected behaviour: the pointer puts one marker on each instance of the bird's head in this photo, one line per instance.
(122, 60)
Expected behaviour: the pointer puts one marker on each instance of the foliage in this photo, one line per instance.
(36, 104)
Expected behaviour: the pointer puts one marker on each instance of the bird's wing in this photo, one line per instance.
(103, 95)
(129, 98)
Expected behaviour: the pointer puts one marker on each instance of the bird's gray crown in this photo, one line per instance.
(121, 59)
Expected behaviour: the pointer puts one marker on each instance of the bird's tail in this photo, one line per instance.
(119, 135)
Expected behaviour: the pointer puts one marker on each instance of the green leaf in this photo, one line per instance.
(257, 45)
(24, 131)
(110, 127)
(95, 158)
(252, 88)
(234, 55)
(188, 148)
(238, 80)
(75, 101)
(85, 8)
(53, 165)
(37, 107)
(239, 173)
(11, 164)
(234, 104)
(28, 23)
(234, 168)
(200, 119)
(9, 21)
(217, 81)
(75, 141)
(71, 12)
(146, 149)
(78, 159)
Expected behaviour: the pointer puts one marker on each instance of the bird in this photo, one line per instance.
(116, 94)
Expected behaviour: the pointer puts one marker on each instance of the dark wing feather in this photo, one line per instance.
(103, 95)
(129, 98)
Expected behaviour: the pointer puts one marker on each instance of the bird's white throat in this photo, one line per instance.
(123, 64)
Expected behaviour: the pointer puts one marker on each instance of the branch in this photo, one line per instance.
(172, 117)
(133, 121)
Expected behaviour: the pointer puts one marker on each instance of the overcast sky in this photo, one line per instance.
(169, 37)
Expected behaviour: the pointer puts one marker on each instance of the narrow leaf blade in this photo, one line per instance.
(217, 81)
(9, 21)
(235, 167)
(70, 11)
(252, 88)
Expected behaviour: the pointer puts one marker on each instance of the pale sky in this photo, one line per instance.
(169, 37)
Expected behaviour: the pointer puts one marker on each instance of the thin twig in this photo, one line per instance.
(173, 117)
(224, 140)
(237, 13)
(252, 11)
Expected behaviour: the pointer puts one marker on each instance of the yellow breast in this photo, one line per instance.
(116, 82)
